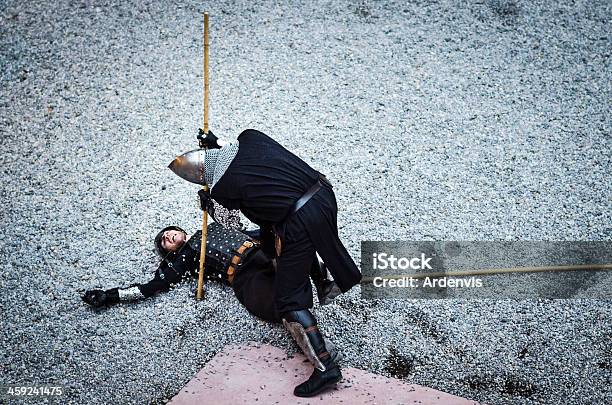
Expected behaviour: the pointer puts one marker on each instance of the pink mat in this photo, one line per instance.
(263, 374)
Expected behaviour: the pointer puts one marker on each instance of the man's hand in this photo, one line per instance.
(95, 298)
(208, 140)
(206, 202)
(100, 298)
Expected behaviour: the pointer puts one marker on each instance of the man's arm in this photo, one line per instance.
(135, 292)
(165, 276)
(228, 218)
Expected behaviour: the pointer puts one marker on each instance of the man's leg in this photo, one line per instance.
(319, 217)
(303, 327)
(293, 298)
(327, 289)
(293, 290)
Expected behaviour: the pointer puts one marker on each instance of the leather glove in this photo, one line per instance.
(208, 140)
(100, 298)
(206, 202)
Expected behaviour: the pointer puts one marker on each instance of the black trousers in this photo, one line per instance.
(268, 293)
(310, 230)
(292, 287)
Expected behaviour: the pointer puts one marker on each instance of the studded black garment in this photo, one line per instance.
(221, 245)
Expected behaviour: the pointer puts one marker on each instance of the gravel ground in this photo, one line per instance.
(485, 120)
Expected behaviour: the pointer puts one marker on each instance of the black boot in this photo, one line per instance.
(319, 380)
(303, 327)
(327, 289)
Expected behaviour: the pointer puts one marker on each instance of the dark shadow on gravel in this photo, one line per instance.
(508, 384)
(505, 9)
(398, 365)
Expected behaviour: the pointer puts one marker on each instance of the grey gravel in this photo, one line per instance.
(447, 120)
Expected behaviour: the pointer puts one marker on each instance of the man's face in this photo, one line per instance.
(173, 240)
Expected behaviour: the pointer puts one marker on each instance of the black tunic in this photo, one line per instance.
(264, 180)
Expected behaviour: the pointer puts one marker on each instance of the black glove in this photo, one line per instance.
(100, 298)
(208, 140)
(206, 202)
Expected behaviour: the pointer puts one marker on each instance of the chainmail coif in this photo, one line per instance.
(217, 161)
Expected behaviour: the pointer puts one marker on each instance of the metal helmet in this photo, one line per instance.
(191, 166)
(204, 166)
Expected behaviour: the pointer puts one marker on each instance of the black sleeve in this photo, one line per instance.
(183, 265)
(154, 286)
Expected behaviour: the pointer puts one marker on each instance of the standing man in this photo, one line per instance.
(295, 207)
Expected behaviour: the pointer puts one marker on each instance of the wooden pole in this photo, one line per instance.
(486, 272)
(200, 291)
(205, 73)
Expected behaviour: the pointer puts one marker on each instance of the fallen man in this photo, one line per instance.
(232, 257)
(295, 207)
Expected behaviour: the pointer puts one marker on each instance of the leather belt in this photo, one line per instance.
(307, 196)
(231, 270)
